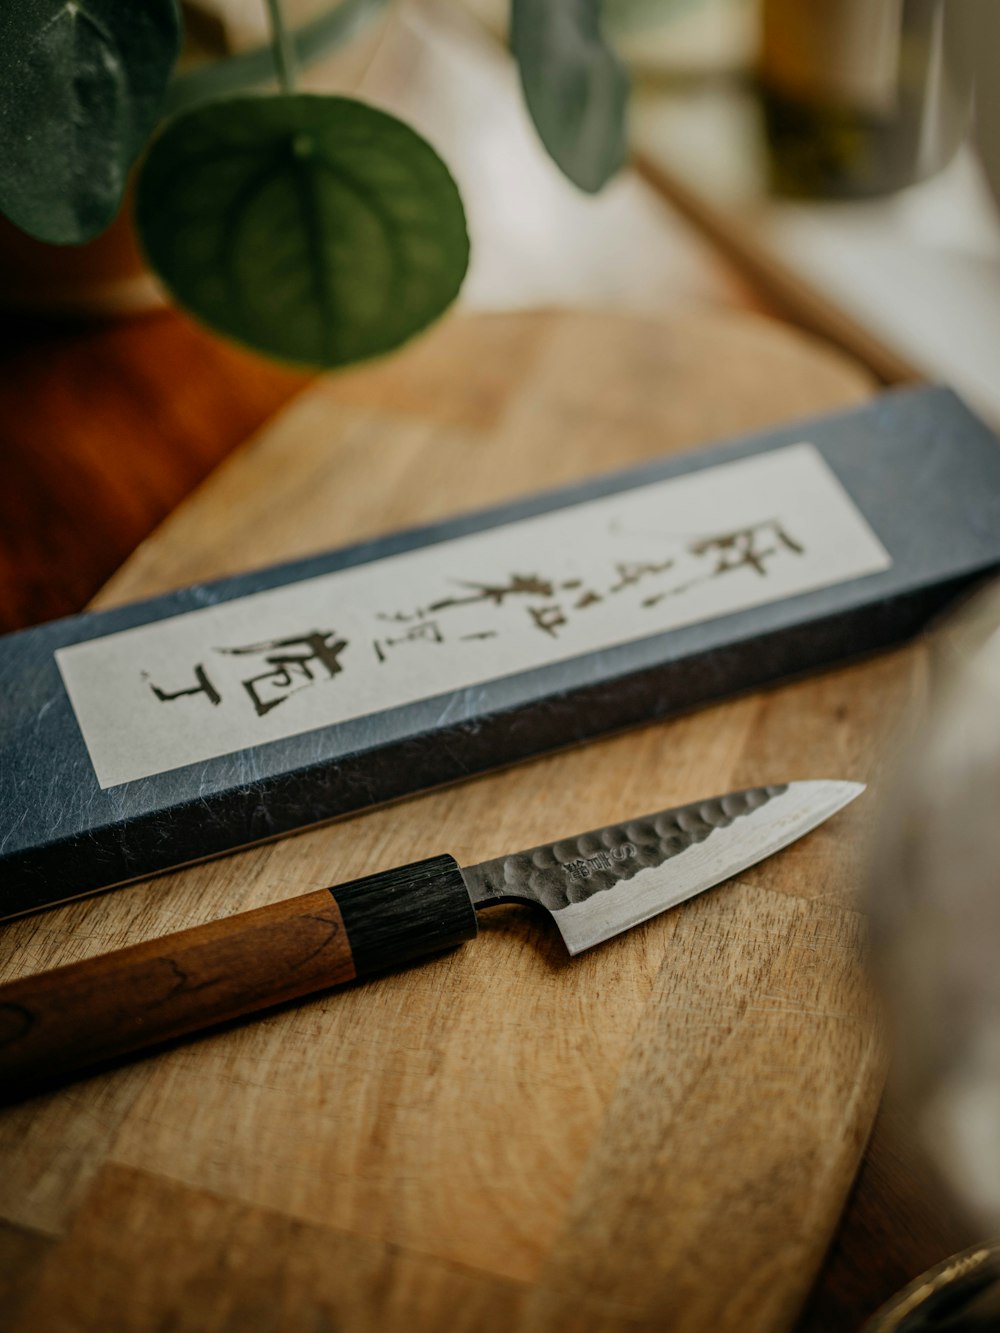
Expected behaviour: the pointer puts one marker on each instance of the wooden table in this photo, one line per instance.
(104, 430)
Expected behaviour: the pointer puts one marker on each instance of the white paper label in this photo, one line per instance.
(460, 612)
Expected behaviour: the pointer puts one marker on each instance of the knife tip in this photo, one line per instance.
(840, 791)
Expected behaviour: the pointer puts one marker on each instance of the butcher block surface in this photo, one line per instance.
(657, 1135)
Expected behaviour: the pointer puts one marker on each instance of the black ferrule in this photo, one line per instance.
(405, 913)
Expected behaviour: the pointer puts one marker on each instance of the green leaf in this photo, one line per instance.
(575, 86)
(81, 86)
(314, 229)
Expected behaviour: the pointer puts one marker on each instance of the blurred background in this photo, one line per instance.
(828, 149)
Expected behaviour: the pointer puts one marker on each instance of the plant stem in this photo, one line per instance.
(281, 44)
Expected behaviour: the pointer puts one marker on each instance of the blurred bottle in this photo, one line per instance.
(862, 97)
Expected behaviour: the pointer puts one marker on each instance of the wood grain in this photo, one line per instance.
(97, 1009)
(211, 1265)
(21, 1254)
(739, 1133)
(612, 1142)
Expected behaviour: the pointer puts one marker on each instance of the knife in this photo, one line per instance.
(594, 886)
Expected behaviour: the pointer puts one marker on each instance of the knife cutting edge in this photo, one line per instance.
(594, 886)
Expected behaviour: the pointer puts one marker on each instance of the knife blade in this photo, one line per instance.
(601, 883)
(593, 885)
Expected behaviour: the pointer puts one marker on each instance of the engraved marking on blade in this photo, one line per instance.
(575, 869)
(589, 865)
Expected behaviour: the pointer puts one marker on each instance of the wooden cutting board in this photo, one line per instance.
(657, 1135)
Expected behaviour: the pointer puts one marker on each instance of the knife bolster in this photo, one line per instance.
(406, 913)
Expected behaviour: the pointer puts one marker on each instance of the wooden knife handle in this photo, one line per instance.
(87, 1013)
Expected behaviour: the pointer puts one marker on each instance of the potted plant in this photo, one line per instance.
(316, 229)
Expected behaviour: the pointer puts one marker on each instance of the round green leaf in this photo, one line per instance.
(314, 229)
(81, 86)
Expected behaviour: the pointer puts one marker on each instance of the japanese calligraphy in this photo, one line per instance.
(291, 664)
(427, 631)
(697, 560)
(202, 686)
(747, 548)
(473, 617)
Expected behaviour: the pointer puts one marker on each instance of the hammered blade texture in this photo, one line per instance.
(574, 869)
